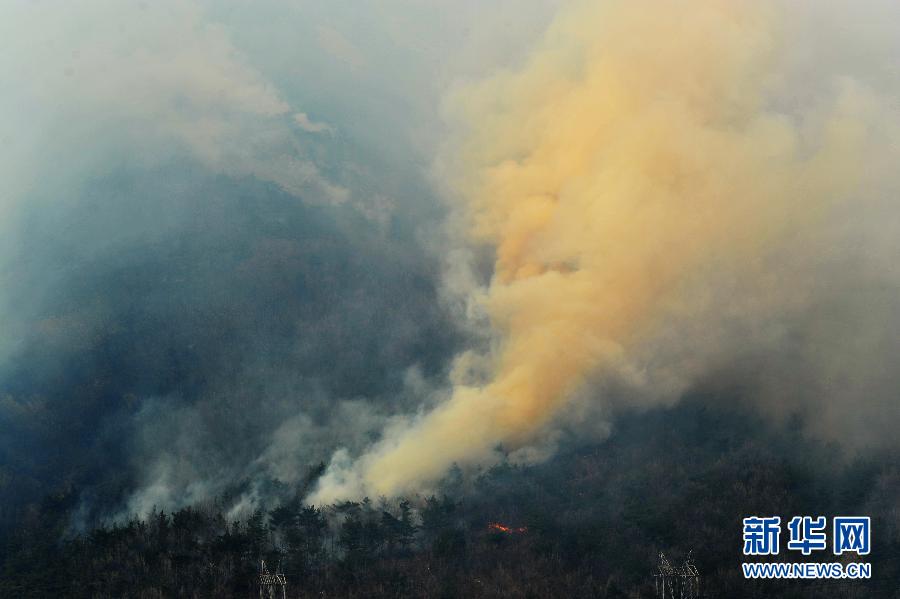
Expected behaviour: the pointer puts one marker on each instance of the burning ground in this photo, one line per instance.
(596, 517)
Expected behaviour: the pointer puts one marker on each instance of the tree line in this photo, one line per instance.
(588, 523)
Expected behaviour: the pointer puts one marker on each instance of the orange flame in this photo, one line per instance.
(496, 526)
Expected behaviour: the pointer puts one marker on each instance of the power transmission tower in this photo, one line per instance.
(269, 583)
(677, 582)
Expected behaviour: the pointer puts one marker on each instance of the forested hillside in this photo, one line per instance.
(589, 523)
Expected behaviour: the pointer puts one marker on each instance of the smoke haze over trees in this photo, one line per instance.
(588, 523)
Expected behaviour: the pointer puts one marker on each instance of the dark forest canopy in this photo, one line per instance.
(593, 520)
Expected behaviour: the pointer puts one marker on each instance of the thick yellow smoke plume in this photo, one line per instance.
(638, 144)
